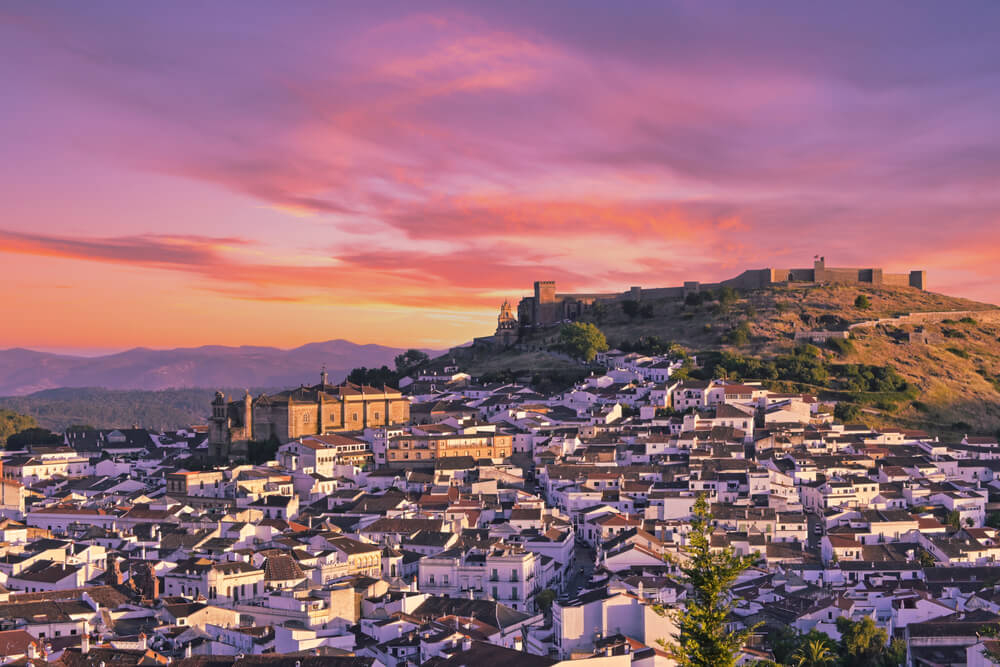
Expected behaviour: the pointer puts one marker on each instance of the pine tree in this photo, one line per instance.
(702, 639)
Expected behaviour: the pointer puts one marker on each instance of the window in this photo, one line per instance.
(430, 579)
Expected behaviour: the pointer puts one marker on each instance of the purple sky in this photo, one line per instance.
(274, 173)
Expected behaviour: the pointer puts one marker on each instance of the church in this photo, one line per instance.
(291, 414)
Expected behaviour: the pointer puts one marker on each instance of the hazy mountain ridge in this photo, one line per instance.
(25, 371)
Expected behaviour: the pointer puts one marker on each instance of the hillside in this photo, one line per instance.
(56, 409)
(954, 375)
(27, 371)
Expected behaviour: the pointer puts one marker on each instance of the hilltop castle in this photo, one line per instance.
(547, 307)
(287, 415)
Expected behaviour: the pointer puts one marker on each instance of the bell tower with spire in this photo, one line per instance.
(506, 325)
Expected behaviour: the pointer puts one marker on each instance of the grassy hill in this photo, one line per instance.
(952, 379)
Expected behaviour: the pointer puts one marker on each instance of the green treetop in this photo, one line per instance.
(702, 639)
(582, 340)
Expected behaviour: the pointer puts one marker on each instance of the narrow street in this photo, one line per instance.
(582, 557)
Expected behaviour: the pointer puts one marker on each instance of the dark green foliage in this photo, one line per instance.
(703, 639)
(33, 436)
(865, 378)
(862, 302)
(847, 412)
(726, 296)
(503, 376)
(582, 340)
(951, 333)
(12, 422)
(375, 377)
(925, 557)
(738, 335)
(261, 452)
(631, 308)
(647, 311)
(410, 360)
(652, 345)
(598, 312)
(864, 643)
(958, 352)
(698, 298)
(968, 320)
(545, 598)
(842, 346)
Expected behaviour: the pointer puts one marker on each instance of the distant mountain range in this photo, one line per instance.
(27, 371)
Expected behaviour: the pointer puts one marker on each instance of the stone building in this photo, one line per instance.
(291, 414)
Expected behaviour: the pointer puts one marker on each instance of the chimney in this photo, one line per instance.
(85, 643)
(466, 643)
(187, 650)
(32, 650)
(518, 643)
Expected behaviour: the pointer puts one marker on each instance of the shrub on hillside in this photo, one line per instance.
(842, 346)
(847, 412)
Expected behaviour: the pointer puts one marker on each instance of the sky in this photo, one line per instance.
(242, 172)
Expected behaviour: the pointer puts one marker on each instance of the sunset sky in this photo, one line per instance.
(177, 174)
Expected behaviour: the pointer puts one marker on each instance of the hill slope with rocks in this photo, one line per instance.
(948, 354)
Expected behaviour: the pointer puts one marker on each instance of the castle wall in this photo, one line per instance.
(547, 307)
(751, 279)
(896, 279)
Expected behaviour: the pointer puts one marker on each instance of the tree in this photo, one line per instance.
(409, 360)
(582, 340)
(646, 311)
(726, 296)
(11, 422)
(847, 412)
(631, 308)
(955, 520)
(862, 302)
(33, 436)
(813, 653)
(862, 642)
(260, 452)
(926, 558)
(80, 427)
(374, 377)
(598, 312)
(739, 335)
(545, 598)
(702, 639)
